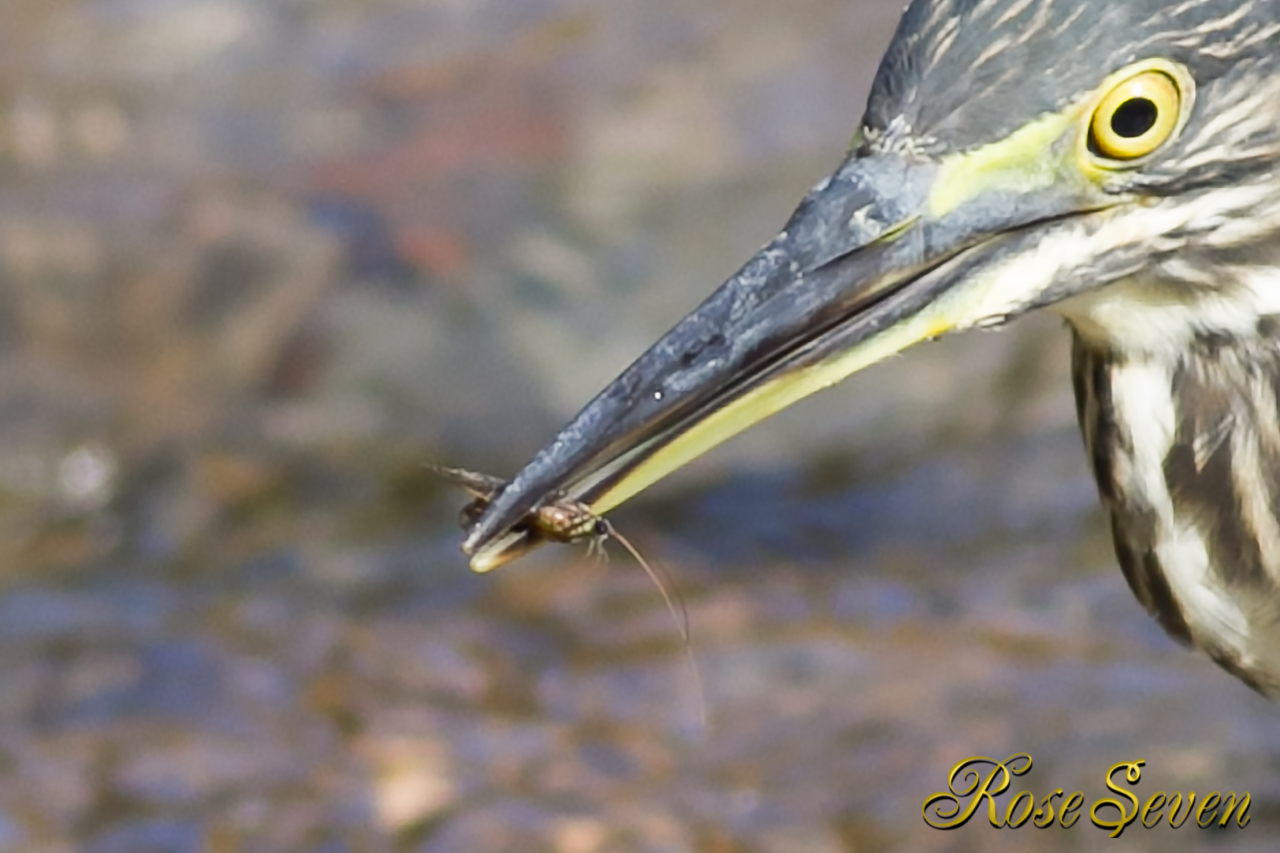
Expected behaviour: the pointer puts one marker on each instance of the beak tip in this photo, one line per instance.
(469, 543)
(485, 556)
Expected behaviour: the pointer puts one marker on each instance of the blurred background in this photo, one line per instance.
(262, 259)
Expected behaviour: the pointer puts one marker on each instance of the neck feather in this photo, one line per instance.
(1186, 450)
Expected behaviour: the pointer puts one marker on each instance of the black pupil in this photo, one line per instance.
(1134, 117)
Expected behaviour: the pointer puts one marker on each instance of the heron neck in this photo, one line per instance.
(1186, 453)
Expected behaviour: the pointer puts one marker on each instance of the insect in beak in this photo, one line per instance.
(561, 519)
(566, 521)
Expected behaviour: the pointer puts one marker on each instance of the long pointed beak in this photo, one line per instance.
(866, 267)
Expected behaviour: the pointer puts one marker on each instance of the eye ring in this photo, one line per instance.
(1136, 117)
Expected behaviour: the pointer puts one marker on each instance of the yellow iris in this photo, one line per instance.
(1136, 117)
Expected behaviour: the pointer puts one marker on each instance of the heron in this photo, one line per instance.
(1114, 161)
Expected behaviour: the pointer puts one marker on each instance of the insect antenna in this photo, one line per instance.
(671, 597)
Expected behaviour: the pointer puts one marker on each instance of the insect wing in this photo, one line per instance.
(481, 486)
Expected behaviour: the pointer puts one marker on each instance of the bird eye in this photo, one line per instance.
(1136, 117)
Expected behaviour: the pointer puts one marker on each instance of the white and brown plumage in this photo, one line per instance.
(1116, 161)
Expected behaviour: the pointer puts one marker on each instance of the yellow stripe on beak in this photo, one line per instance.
(771, 398)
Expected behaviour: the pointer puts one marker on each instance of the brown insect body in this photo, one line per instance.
(562, 520)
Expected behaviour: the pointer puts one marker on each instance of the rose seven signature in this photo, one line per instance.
(968, 789)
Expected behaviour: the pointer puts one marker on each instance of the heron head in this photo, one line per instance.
(1115, 160)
